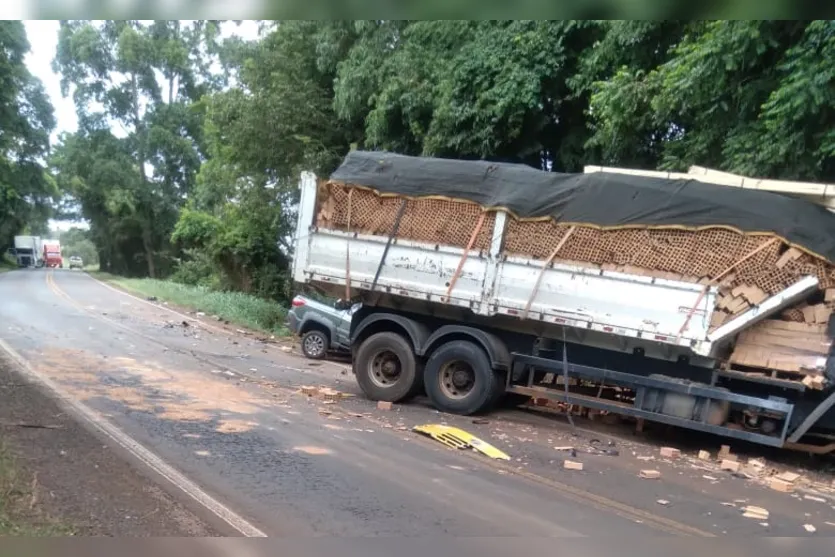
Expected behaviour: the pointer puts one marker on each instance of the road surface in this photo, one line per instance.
(219, 414)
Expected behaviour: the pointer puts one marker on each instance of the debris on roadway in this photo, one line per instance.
(669, 452)
(650, 474)
(459, 439)
(757, 513)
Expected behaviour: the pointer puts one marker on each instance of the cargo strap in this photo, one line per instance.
(717, 278)
(394, 230)
(464, 256)
(545, 266)
(348, 251)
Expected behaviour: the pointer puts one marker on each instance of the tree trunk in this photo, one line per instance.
(149, 252)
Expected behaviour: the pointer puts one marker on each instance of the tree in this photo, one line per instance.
(753, 97)
(278, 121)
(147, 80)
(26, 120)
(469, 89)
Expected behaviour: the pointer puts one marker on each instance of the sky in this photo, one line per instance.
(43, 39)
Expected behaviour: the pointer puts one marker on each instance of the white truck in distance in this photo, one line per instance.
(28, 251)
(469, 327)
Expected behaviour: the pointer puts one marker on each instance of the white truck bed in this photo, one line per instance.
(586, 298)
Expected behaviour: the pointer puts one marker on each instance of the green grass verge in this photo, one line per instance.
(19, 512)
(7, 263)
(236, 307)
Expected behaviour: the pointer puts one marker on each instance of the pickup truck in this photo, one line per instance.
(323, 328)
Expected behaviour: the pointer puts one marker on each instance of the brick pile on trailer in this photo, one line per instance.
(747, 268)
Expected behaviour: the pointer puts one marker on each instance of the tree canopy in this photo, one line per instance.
(26, 120)
(189, 145)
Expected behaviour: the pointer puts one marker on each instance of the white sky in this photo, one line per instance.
(43, 38)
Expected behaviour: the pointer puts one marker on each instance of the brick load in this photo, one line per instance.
(696, 256)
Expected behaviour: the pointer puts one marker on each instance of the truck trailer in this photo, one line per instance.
(28, 251)
(668, 300)
(52, 254)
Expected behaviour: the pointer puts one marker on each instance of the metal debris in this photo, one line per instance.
(460, 439)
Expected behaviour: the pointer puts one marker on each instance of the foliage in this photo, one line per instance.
(259, 137)
(19, 516)
(145, 80)
(76, 242)
(753, 97)
(26, 119)
(236, 307)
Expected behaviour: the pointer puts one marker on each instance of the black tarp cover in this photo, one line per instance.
(603, 200)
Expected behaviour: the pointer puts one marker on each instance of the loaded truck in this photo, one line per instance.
(28, 251)
(662, 299)
(52, 254)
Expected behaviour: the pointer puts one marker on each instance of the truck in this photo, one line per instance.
(52, 254)
(28, 251)
(668, 300)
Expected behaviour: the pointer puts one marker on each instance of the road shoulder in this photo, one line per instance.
(68, 481)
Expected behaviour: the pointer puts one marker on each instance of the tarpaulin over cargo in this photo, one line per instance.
(599, 199)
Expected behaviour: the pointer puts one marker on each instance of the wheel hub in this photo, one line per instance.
(457, 380)
(460, 378)
(314, 345)
(385, 369)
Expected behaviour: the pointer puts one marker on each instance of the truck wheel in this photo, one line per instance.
(315, 344)
(387, 369)
(459, 379)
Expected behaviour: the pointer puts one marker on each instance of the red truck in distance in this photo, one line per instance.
(52, 254)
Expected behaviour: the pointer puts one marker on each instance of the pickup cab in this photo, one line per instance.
(323, 328)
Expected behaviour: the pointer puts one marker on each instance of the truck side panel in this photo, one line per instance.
(609, 302)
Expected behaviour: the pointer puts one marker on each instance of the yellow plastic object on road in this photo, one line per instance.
(460, 439)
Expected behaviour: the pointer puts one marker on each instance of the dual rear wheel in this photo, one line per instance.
(457, 377)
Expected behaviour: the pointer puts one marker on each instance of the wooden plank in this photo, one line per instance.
(829, 295)
(791, 326)
(809, 314)
(718, 318)
(789, 255)
(822, 313)
(800, 345)
(755, 295)
(737, 305)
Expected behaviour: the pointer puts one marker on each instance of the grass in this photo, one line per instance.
(19, 512)
(236, 307)
(7, 263)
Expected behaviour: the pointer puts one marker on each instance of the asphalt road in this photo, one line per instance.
(223, 410)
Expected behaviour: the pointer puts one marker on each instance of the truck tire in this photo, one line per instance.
(387, 369)
(460, 380)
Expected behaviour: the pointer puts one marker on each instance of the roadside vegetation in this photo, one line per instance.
(6, 263)
(238, 308)
(20, 513)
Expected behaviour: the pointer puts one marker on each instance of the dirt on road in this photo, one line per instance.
(59, 478)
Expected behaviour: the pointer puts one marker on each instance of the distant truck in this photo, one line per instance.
(28, 251)
(52, 254)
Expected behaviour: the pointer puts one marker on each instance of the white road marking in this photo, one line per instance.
(136, 449)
